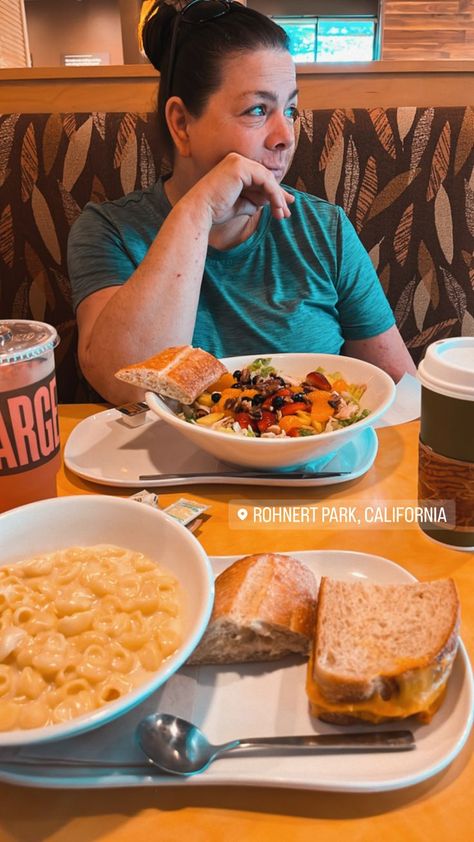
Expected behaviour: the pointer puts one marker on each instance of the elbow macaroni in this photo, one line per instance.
(80, 628)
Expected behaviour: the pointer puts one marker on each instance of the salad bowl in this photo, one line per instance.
(270, 453)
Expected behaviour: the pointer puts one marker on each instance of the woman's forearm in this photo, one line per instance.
(154, 309)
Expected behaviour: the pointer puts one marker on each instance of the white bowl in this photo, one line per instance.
(268, 453)
(50, 525)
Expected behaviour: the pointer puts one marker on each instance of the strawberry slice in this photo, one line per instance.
(245, 420)
(294, 407)
(266, 421)
(319, 381)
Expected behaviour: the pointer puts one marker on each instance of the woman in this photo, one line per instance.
(219, 254)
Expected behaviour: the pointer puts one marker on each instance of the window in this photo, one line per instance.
(316, 39)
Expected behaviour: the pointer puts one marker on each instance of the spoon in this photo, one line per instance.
(179, 747)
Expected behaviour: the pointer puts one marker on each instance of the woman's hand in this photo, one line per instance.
(238, 186)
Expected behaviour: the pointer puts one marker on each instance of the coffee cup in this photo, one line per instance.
(446, 445)
(29, 431)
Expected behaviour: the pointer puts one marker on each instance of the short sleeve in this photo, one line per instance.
(363, 307)
(96, 255)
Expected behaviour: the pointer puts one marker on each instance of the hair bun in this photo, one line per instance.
(155, 31)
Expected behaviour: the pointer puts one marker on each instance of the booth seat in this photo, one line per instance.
(404, 176)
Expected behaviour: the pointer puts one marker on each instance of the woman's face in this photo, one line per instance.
(252, 113)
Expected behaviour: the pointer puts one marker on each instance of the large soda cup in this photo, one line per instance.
(446, 446)
(29, 431)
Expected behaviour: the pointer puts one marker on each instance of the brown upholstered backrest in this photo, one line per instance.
(404, 176)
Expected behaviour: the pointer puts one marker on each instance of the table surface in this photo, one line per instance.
(437, 809)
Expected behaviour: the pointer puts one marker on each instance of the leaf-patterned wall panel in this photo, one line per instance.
(405, 118)
(431, 334)
(45, 225)
(306, 123)
(37, 299)
(383, 130)
(7, 236)
(29, 163)
(421, 137)
(98, 193)
(334, 131)
(444, 224)
(351, 175)
(7, 134)
(128, 165)
(20, 301)
(465, 142)
(440, 162)
(404, 305)
(98, 118)
(467, 327)
(332, 173)
(421, 302)
(469, 207)
(147, 165)
(367, 193)
(391, 192)
(374, 254)
(401, 240)
(126, 130)
(62, 285)
(71, 208)
(53, 132)
(76, 155)
(384, 278)
(69, 124)
(456, 294)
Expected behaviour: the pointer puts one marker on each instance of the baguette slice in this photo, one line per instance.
(264, 609)
(382, 651)
(182, 373)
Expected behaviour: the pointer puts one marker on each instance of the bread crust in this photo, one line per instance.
(181, 372)
(261, 599)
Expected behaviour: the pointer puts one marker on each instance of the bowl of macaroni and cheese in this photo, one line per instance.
(102, 599)
(282, 410)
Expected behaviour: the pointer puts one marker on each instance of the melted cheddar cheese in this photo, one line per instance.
(419, 692)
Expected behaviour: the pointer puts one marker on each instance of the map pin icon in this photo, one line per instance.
(242, 514)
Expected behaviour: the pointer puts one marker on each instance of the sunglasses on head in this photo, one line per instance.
(195, 12)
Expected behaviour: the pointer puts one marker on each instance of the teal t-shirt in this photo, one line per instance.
(302, 284)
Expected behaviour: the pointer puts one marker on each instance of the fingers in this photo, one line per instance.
(265, 190)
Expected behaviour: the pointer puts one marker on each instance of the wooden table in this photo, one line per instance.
(437, 809)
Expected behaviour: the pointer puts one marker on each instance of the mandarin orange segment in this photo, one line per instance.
(319, 397)
(321, 411)
(290, 422)
(225, 382)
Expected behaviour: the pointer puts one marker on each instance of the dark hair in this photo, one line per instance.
(200, 51)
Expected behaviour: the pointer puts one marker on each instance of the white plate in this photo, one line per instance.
(103, 449)
(265, 699)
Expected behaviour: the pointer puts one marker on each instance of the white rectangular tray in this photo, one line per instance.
(257, 700)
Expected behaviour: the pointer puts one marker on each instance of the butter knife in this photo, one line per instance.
(247, 475)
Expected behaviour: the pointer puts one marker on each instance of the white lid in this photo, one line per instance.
(448, 367)
(21, 340)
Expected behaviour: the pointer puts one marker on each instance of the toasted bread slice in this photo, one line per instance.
(382, 651)
(264, 609)
(182, 373)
